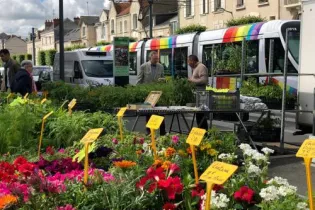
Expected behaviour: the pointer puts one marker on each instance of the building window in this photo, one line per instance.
(174, 27)
(240, 3)
(120, 27)
(125, 26)
(262, 1)
(83, 32)
(188, 8)
(217, 5)
(135, 21)
(112, 26)
(103, 31)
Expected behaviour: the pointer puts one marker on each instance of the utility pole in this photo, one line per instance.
(150, 18)
(33, 37)
(87, 6)
(61, 42)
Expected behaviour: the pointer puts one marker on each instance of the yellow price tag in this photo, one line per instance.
(26, 95)
(195, 136)
(72, 103)
(121, 112)
(155, 122)
(47, 115)
(218, 172)
(91, 135)
(307, 150)
(43, 101)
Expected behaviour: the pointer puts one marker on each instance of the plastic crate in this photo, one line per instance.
(202, 99)
(224, 101)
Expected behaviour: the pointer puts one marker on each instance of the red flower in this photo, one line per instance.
(156, 174)
(26, 169)
(50, 150)
(244, 194)
(19, 161)
(142, 182)
(169, 206)
(198, 191)
(174, 168)
(152, 187)
(217, 187)
(172, 186)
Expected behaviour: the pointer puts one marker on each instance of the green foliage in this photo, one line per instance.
(191, 28)
(231, 59)
(175, 92)
(75, 47)
(244, 20)
(50, 57)
(20, 58)
(28, 56)
(41, 58)
(14, 57)
(102, 43)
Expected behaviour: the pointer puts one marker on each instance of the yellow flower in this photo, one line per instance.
(7, 200)
(169, 152)
(182, 153)
(157, 163)
(124, 164)
(212, 152)
(166, 165)
(205, 146)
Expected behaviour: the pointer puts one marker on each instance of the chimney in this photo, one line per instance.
(76, 20)
(48, 24)
(56, 22)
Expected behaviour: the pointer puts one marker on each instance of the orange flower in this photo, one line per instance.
(139, 152)
(169, 152)
(124, 164)
(166, 165)
(188, 150)
(157, 163)
(7, 200)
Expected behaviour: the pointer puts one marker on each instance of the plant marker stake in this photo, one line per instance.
(307, 162)
(153, 143)
(72, 103)
(86, 163)
(43, 101)
(26, 95)
(42, 132)
(120, 128)
(208, 199)
(9, 96)
(192, 148)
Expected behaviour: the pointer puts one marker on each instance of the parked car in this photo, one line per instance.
(42, 74)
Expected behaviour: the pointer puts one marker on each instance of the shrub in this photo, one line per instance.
(102, 43)
(244, 20)
(28, 56)
(74, 47)
(20, 58)
(50, 57)
(41, 58)
(191, 28)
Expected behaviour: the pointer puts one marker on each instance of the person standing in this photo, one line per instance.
(200, 79)
(23, 82)
(11, 67)
(152, 71)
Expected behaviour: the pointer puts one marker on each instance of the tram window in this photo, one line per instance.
(278, 57)
(252, 52)
(133, 63)
(228, 58)
(165, 60)
(148, 55)
(180, 62)
(207, 57)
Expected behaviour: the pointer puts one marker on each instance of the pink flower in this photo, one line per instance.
(62, 150)
(175, 139)
(141, 140)
(4, 190)
(66, 207)
(115, 141)
(50, 150)
(174, 168)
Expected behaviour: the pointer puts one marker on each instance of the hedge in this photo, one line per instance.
(191, 28)
(175, 92)
(102, 43)
(28, 56)
(41, 58)
(50, 57)
(74, 47)
(244, 21)
(20, 58)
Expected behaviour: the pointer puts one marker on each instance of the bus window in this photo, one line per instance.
(165, 58)
(252, 53)
(133, 63)
(180, 62)
(278, 57)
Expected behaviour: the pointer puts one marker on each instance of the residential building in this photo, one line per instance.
(214, 13)
(88, 32)
(16, 45)
(72, 38)
(102, 27)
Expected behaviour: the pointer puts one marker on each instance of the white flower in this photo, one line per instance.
(267, 151)
(278, 181)
(244, 146)
(252, 169)
(270, 193)
(258, 156)
(249, 152)
(302, 206)
(225, 156)
(219, 200)
(287, 190)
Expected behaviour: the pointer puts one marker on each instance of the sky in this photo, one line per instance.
(19, 16)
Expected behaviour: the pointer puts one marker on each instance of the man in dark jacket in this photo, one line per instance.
(23, 81)
(11, 67)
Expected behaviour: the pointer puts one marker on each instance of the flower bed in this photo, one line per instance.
(124, 174)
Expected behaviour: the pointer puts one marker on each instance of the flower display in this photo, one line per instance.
(66, 207)
(169, 206)
(175, 139)
(124, 164)
(244, 194)
(170, 152)
(7, 200)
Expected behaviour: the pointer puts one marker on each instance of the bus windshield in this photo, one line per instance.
(294, 44)
(98, 68)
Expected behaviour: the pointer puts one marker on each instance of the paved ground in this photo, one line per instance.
(287, 166)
